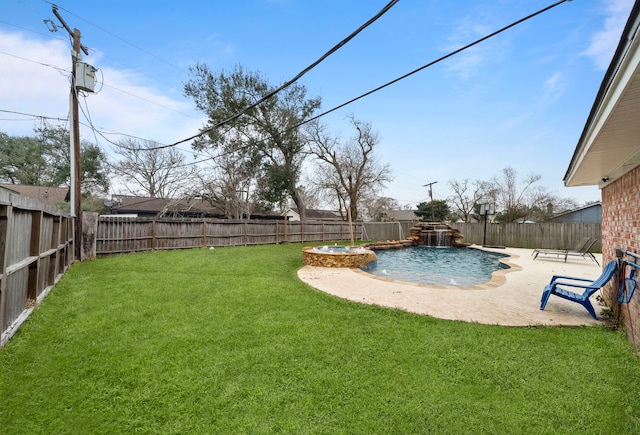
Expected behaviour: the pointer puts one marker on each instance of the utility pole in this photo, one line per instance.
(433, 210)
(74, 134)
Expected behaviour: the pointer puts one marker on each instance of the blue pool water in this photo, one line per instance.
(442, 266)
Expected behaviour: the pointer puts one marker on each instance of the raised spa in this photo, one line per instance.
(338, 256)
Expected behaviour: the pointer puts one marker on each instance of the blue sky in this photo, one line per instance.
(520, 99)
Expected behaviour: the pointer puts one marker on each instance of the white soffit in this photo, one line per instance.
(611, 146)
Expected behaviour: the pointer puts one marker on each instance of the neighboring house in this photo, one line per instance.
(401, 216)
(608, 155)
(46, 194)
(312, 215)
(140, 206)
(155, 207)
(591, 213)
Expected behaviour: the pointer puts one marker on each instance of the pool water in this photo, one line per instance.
(441, 266)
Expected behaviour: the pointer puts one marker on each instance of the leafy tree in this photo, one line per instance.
(45, 160)
(437, 209)
(267, 130)
(94, 203)
(147, 170)
(23, 161)
(350, 170)
(93, 161)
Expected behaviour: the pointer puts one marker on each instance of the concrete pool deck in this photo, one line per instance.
(511, 298)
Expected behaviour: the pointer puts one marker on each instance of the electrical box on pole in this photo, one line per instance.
(85, 77)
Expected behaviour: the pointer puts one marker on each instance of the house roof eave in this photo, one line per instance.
(608, 145)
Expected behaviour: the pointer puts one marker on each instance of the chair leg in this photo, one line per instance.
(587, 304)
(545, 297)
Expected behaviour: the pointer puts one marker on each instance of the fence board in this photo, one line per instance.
(35, 250)
(122, 235)
(134, 235)
(532, 236)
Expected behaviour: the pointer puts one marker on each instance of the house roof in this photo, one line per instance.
(609, 146)
(402, 215)
(595, 204)
(146, 205)
(46, 194)
(313, 213)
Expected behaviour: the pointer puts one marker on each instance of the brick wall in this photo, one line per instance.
(621, 229)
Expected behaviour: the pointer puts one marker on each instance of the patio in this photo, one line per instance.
(512, 298)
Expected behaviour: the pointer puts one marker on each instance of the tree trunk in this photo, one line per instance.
(297, 198)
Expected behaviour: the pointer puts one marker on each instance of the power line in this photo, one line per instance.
(32, 115)
(440, 59)
(118, 37)
(67, 71)
(103, 54)
(293, 80)
(31, 30)
(59, 69)
(148, 101)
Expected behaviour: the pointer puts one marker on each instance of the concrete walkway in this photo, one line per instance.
(512, 298)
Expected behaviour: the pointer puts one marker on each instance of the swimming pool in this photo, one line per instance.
(440, 266)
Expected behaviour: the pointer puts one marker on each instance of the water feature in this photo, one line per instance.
(440, 266)
(435, 234)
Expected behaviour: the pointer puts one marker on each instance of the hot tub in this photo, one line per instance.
(338, 256)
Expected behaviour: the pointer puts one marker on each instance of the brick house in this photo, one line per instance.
(608, 155)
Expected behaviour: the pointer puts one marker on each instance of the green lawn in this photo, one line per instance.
(230, 341)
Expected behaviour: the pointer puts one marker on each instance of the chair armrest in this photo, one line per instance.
(570, 284)
(573, 278)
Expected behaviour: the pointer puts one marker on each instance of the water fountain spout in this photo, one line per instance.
(436, 234)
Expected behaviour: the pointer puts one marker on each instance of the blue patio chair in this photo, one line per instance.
(590, 287)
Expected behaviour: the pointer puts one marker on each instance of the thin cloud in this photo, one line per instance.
(604, 42)
(554, 87)
(468, 63)
(123, 105)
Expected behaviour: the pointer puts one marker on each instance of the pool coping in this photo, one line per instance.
(513, 301)
(498, 277)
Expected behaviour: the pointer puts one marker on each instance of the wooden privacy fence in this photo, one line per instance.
(120, 235)
(532, 236)
(36, 248)
(36, 242)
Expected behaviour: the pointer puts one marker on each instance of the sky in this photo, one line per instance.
(519, 99)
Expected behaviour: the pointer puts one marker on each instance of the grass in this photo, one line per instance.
(230, 341)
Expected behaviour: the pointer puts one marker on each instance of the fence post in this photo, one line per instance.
(89, 235)
(244, 235)
(153, 235)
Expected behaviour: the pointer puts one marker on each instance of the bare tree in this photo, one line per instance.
(349, 170)
(515, 198)
(153, 172)
(228, 184)
(378, 207)
(512, 193)
(466, 197)
(542, 204)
